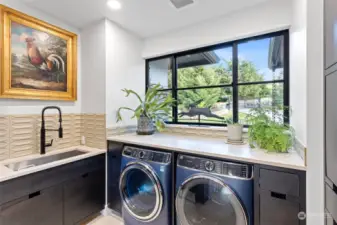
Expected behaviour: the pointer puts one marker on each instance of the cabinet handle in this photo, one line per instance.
(35, 194)
(278, 195)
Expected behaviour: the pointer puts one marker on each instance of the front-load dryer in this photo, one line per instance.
(213, 192)
(145, 186)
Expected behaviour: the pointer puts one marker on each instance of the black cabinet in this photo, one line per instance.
(39, 208)
(331, 127)
(330, 24)
(66, 194)
(114, 167)
(279, 196)
(83, 197)
(331, 201)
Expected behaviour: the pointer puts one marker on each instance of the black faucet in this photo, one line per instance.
(43, 144)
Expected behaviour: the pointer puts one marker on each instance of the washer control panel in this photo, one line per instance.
(147, 155)
(215, 166)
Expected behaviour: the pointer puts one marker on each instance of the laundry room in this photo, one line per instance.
(171, 112)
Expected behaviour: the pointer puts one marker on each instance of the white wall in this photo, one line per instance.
(315, 113)
(125, 68)
(159, 72)
(94, 68)
(298, 69)
(10, 106)
(262, 18)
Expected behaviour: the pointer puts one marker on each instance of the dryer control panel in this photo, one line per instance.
(147, 154)
(215, 166)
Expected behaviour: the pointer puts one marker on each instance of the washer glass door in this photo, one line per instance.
(207, 200)
(141, 192)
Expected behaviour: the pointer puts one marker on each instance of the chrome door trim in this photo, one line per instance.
(206, 177)
(158, 189)
(134, 158)
(219, 174)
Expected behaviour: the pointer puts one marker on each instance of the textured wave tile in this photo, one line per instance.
(76, 128)
(4, 137)
(94, 130)
(22, 135)
(71, 124)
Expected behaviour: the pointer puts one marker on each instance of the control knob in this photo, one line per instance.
(141, 154)
(209, 166)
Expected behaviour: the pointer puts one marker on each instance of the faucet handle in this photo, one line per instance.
(50, 144)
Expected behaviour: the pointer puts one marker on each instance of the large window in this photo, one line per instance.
(221, 83)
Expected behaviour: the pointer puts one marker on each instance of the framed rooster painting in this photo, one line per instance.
(38, 60)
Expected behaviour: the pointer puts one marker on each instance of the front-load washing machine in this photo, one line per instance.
(213, 192)
(145, 186)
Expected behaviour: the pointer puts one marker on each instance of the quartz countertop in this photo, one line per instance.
(214, 147)
(8, 174)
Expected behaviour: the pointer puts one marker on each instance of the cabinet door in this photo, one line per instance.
(114, 167)
(330, 33)
(84, 197)
(275, 209)
(39, 208)
(330, 126)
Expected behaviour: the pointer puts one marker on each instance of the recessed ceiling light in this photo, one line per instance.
(114, 4)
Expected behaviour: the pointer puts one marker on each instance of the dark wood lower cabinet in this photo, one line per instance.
(40, 208)
(83, 197)
(276, 210)
(75, 192)
(280, 196)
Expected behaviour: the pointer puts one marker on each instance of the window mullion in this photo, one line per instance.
(235, 82)
(174, 89)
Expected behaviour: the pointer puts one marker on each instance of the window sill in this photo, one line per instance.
(199, 130)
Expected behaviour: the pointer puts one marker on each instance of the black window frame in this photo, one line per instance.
(235, 85)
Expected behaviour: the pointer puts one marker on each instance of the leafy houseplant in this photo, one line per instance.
(152, 110)
(267, 130)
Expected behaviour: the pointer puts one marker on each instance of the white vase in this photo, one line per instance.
(235, 132)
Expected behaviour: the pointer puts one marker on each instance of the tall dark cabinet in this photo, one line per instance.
(330, 63)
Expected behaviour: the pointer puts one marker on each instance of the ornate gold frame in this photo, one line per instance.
(6, 16)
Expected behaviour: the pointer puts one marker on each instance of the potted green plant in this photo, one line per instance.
(268, 131)
(152, 111)
(234, 131)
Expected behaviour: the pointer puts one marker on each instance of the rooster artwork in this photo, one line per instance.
(39, 59)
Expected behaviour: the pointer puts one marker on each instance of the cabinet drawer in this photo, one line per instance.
(331, 201)
(38, 208)
(280, 182)
(328, 219)
(276, 211)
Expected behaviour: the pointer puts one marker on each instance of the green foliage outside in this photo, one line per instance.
(221, 74)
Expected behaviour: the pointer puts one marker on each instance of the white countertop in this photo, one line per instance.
(7, 174)
(213, 147)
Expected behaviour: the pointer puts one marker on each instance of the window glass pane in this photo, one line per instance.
(205, 68)
(259, 95)
(160, 72)
(210, 105)
(261, 60)
(169, 117)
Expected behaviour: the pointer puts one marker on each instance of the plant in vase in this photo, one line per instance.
(234, 131)
(152, 111)
(268, 131)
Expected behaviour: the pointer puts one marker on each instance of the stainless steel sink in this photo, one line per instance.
(43, 160)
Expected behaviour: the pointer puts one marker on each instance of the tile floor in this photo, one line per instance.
(107, 220)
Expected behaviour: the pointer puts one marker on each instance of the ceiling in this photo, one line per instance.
(143, 17)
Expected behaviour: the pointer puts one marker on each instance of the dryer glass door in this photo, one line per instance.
(141, 192)
(207, 200)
